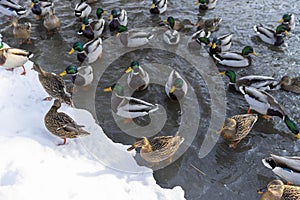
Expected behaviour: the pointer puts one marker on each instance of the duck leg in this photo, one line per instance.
(24, 70)
(65, 141)
(249, 110)
(234, 144)
(10, 69)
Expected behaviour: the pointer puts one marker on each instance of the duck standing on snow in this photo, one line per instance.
(81, 76)
(22, 31)
(129, 107)
(206, 4)
(171, 36)
(262, 83)
(233, 59)
(286, 167)
(138, 79)
(176, 87)
(276, 190)
(11, 8)
(51, 21)
(100, 23)
(290, 84)
(41, 8)
(265, 104)
(158, 149)
(117, 17)
(82, 9)
(270, 36)
(133, 38)
(62, 125)
(237, 127)
(54, 85)
(86, 29)
(88, 52)
(158, 6)
(11, 58)
(289, 21)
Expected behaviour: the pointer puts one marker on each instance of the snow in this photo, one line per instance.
(33, 167)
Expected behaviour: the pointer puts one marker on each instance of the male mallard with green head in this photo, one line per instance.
(288, 20)
(86, 29)
(117, 17)
(176, 87)
(41, 8)
(62, 125)
(81, 76)
(138, 79)
(158, 6)
(270, 36)
(82, 9)
(171, 36)
(100, 23)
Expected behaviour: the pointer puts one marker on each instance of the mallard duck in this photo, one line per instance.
(176, 87)
(276, 190)
(81, 76)
(51, 21)
(290, 84)
(270, 36)
(3, 44)
(194, 42)
(22, 31)
(11, 8)
(11, 58)
(54, 85)
(178, 25)
(217, 45)
(286, 167)
(82, 9)
(86, 29)
(133, 38)
(265, 104)
(100, 23)
(208, 24)
(262, 83)
(158, 6)
(129, 107)
(117, 17)
(171, 36)
(233, 59)
(159, 148)
(62, 125)
(289, 21)
(237, 127)
(90, 51)
(138, 79)
(41, 8)
(206, 4)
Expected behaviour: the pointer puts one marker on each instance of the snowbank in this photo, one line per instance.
(33, 167)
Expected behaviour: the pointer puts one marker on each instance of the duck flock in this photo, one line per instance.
(254, 88)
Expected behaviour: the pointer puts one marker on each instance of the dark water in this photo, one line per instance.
(227, 173)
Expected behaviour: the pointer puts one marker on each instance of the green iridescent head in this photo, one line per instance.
(72, 69)
(248, 50)
(34, 1)
(292, 126)
(78, 46)
(171, 22)
(122, 28)
(204, 40)
(135, 65)
(286, 17)
(230, 74)
(282, 29)
(85, 21)
(203, 1)
(114, 13)
(99, 12)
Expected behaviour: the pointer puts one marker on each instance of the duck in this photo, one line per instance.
(82, 9)
(3, 45)
(117, 17)
(129, 107)
(193, 41)
(86, 29)
(176, 87)
(286, 167)
(290, 84)
(234, 59)
(288, 20)
(206, 4)
(11, 58)
(81, 76)
(133, 38)
(61, 124)
(277, 190)
(208, 24)
(51, 21)
(41, 8)
(237, 127)
(138, 79)
(178, 25)
(265, 104)
(158, 149)
(100, 23)
(270, 36)
(54, 85)
(262, 83)
(218, 44)
(22, 31)
(88, 52)
(11, 8)
(91, 1)
(171, 36)
(158, 6)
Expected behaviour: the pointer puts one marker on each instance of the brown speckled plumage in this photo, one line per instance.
(22, 31)
(61, 125)
(290, 84)
(276, 190)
